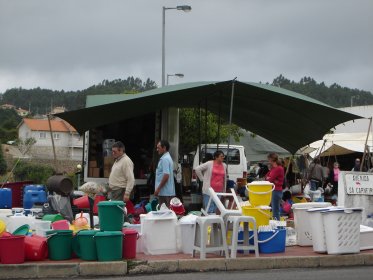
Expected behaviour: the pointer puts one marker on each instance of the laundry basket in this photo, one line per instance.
(342, 230)
(302, 221)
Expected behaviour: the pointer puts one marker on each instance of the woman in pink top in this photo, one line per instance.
(212, 173)
(333, 178)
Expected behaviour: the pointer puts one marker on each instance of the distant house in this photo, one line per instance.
(21, 112)
(68, 143)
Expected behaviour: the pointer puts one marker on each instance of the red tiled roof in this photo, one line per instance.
(42, 125)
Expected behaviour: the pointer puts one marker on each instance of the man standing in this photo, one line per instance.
(121, 179)
(164, 179)
(315, 175)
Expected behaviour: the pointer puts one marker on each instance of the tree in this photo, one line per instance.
(193, 123)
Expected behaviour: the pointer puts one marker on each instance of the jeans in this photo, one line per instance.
(212, 208)
(275, 204)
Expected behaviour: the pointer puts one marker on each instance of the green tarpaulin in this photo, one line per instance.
(289, 119)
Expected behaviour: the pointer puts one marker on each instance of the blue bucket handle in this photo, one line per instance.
(269, 239)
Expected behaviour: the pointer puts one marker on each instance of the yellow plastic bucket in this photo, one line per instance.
(260, 192)
(262, 214)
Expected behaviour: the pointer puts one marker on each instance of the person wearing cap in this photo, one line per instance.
(121, 178)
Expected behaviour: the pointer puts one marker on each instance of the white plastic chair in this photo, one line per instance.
(234, 209)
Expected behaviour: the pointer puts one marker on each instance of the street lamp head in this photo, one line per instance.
(184, 8)
(179, 75)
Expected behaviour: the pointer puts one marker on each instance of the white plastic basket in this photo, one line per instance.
(317, 229)
(342, 230)
(302, 220)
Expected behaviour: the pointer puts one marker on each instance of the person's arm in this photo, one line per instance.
(200, 169)
(164, 179)
(128, 173)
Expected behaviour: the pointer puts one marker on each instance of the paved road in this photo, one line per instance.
(361, 273)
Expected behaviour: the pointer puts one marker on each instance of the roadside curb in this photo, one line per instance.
(123, 268)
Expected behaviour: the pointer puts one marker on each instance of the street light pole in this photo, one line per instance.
(183, 8)
(175, 75)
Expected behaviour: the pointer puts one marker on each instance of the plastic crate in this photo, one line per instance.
(342, 230)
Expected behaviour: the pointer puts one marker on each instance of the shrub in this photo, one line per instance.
(36, 173)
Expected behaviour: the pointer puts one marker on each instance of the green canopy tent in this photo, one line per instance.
(289, 119)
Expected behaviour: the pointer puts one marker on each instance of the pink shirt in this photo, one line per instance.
(217, 177)
(336, 174)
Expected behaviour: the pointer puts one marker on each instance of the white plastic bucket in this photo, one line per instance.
(302, 221)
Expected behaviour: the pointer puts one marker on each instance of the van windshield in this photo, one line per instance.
(233, 156)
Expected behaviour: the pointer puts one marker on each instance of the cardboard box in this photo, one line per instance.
(92, 164)
(90, 170)
(108, 162)
(106, 173)
(96, 172)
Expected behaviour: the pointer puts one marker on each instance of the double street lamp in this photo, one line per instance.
(175, 75)
(183, 8)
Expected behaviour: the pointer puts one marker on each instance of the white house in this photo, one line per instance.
(68, 143)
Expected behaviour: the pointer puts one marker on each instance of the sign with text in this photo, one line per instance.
(359, 184)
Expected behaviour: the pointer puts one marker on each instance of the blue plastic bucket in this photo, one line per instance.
(272, 241)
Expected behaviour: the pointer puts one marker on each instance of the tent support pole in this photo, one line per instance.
(230, 123)
(365, 146)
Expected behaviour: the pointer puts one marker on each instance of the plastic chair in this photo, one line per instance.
(218, 239)
(224, 212)
(236, 222)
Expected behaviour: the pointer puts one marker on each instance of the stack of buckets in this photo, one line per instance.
(108, 244)
(260, 195)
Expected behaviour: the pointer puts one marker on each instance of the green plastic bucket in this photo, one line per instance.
(52, 217)
(109, 245)
(59, 244)
(111, 215)
(86, 245)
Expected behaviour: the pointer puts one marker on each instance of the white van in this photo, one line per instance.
(237, 163)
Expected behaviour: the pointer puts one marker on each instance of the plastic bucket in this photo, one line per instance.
(12, 249)
(272, 241)
(86, 245)
(261, 214)
(52, 217)
(82, 202)
(109, 245)
(98, 198)
(111, 214)
(36, 248)
(61, 225)
(59, 244)
(260, 192)
(130, 237)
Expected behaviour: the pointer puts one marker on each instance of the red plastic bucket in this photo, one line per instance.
(12, 249)
(82, 202)
(130, 237)
(98, 198)
(36, 248)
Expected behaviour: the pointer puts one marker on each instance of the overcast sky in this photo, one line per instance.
(73, 44)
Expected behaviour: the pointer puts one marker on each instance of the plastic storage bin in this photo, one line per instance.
(302, 221)
(159, 232)
(317, 229)
(5, 198)
(272, 241)
(187, 226)
(342, 230)
(366, 238)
